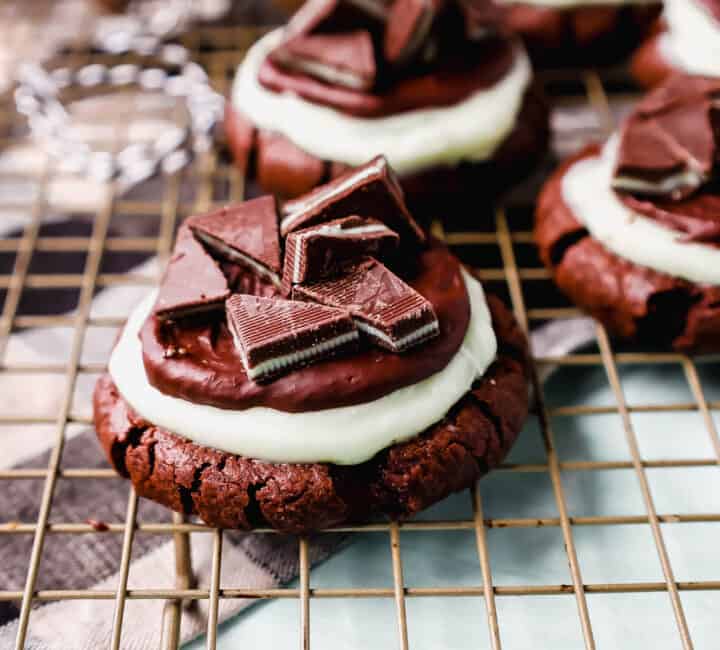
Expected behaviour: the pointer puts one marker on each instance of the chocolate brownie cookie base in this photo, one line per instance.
(231, 491)
(633, 302)
(648, 66)
(599, 34)
(283, 169)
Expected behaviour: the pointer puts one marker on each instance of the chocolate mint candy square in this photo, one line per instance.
(277, 336)
(246, 234)
(346, 59)
(193, 283)
(320, 251)
(368, 191)
(667, 145)
(337, 16)
(390, 312)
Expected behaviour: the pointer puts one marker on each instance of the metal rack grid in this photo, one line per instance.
(220, 49)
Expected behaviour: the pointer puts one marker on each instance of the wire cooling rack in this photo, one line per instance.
(501, 249)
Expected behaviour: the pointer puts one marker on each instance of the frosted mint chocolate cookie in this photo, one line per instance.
(440, 88)
(376, 380)
(631, 230)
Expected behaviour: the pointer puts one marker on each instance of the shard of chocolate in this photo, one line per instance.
(335, 16)
(193, 283)
(646, 157)
(275, 336)
(246, 234)
(408, 26)
(368, 191)
(345, 59)
(391, 313)
(320, 251)
(668, 146)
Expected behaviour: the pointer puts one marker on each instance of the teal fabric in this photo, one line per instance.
(533, 556)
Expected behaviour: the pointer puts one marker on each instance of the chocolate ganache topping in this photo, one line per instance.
(361, 305)
(668, 166)
(379, 57)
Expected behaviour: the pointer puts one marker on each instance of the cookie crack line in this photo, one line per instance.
(187, 493)
(565, 243)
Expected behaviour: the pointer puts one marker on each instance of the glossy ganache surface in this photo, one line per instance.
(209, 371)
(420, 54)
(668, 158)
(334, 299)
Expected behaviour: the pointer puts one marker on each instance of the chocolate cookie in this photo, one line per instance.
(597, 34)
(633, 302)
(282, 168)
(411, 88)
(232, 491)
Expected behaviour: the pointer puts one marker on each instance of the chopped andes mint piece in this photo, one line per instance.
(246, 234)
(335, 16)
(391, 313)
(275, 336)
(408, 26)
(668, 146)
(368, 191)
(646, 157)
(325, 249)
(193, 283)
(345, 59)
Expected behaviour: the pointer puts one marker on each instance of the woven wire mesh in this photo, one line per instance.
(498, 244)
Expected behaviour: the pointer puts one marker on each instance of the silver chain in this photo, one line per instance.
(147, 23)
(39, 96)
